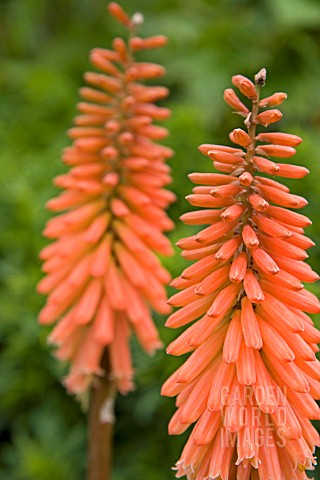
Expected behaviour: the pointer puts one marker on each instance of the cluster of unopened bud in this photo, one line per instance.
(246, 303)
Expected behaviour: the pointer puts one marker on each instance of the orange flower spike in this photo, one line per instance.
(114, 218)
(253, 346)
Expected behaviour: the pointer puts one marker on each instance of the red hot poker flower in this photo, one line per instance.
(102, 274)
(250, 382)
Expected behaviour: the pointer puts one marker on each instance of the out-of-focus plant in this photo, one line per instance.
(102, 274)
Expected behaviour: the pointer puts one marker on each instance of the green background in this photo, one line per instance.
(44, 46)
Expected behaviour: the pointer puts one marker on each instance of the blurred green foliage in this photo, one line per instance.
(44, 48)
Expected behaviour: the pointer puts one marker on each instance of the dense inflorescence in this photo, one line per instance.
(250, 382)
(102, 274)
